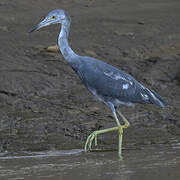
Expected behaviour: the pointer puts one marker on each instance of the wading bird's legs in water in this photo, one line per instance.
(93, 136)
(120, 128)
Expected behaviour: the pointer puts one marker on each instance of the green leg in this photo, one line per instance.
(126, 122)
(93, 136)
(121, 127)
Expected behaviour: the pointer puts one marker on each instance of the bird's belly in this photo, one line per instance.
(118, 103)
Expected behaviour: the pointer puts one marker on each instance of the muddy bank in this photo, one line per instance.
(43, 104)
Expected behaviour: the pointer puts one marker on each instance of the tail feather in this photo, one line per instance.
(155, 98)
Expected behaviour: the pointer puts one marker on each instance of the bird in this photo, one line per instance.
(110, 85)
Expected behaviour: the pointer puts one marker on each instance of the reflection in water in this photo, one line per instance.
(157, 161)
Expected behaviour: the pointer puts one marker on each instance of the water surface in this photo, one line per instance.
(153, 161)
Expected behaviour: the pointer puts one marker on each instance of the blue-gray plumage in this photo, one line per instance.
(107, 83)
(112, 85)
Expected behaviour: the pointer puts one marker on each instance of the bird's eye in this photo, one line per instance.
(53, 17)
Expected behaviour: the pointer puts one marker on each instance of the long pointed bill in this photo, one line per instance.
(35, 28)
(43, 23)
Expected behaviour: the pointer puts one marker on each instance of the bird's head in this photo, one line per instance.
(54, 17)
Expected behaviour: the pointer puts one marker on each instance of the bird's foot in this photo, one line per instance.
(91, 137)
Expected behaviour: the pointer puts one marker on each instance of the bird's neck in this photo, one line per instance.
(65, 49)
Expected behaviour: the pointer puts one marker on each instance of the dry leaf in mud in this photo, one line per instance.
(54, 49)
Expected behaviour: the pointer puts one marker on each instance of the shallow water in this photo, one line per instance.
(157, 161)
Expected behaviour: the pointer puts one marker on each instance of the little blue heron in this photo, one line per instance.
(108, 84)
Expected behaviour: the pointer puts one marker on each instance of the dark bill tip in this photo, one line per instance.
(33, 29)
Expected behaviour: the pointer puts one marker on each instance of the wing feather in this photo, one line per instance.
(107, 80)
